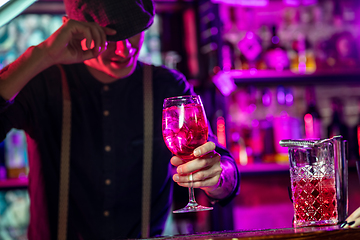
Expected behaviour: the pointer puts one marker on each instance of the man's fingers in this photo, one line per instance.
(199, 163)
(356, 213)
(200, 176)
(102, 36)
(95, 34)
(353, 220)
(88, 54)
(85, 31)
(176, 161)
(92, 32)
(204, 149)
(184, 180)
(109, 31)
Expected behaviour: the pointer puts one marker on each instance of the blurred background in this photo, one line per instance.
(266, 70)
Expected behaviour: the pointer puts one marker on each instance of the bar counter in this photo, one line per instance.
(318, 233)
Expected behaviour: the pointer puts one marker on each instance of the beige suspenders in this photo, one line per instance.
(148, 144)
(65, 155)
(64, 158)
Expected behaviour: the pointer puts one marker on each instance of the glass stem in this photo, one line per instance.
(191, 192)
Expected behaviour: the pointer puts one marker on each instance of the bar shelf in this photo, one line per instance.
(287, 77)
(14, 183)
(260, 168)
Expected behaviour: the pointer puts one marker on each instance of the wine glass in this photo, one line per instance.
(185, 128)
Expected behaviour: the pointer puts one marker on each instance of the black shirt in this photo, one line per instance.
(106, 151)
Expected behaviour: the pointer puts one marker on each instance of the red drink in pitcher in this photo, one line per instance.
(314, 201)
(184, 129)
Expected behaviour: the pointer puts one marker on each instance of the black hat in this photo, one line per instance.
(127, 17)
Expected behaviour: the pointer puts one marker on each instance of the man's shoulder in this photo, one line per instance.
(46, 77)
(49, 80)
(53, 74)
(170, 81)
(166, 74)
(52, 70)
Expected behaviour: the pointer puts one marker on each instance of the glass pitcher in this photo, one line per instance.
(319, 180)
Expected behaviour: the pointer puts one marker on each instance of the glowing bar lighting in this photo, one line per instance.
(224, 82)
(243, 155)
(250, 3)
(298, 2)
(309, 125)
(2, 2)
(220, 127)
(358, 137)
(10, 9)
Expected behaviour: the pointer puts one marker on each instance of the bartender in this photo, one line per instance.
(97, 46)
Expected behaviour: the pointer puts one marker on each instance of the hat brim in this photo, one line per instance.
(122, 34)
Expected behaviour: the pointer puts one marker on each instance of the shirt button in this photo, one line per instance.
(106, 213)
(107, 181)
(106, 88)
(106, 113)
(107, 148)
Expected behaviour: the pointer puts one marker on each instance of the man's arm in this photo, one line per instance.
(17, 74)
(227, 182)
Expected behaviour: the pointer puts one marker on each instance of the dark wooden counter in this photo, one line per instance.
(318, 233)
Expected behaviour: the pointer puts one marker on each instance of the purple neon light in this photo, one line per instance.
(299, 2)
(214, 31)
(266, 98)
(249, 35)
(289, 98)
(224, 82)
(253, 3)
(275, 40)
(281, 96)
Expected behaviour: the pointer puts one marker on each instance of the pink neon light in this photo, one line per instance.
(190, 43)
(220, 127)
(254, 3)
(358, 137)
(302, 67)
(309, 126)
(224, 82)
(298, 2)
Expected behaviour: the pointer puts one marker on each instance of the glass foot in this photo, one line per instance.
(193, 207)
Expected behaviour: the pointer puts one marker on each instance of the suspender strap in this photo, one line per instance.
(148, 144)
(65, 155)
(64, 158)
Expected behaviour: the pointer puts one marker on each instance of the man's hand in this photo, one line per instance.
(64, 45)
(215, 177)
(206, 168)
(353, 220)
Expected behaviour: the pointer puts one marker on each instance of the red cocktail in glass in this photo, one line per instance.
(185, 128)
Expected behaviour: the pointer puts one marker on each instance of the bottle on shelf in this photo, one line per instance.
(249, 124)
(337, 125)
(231, 36)
(303, 59)
(256, 131)
(286, 125)
(251, 50)
(276, 57)
(267, 125)
(2, 161)
(354, 137)
(238, 126)
(16, 154)
(312, 118)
